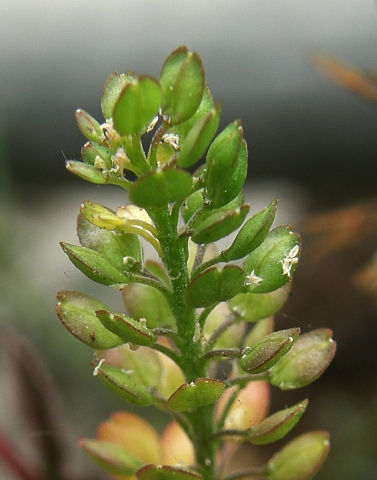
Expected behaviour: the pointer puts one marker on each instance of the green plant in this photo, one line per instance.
(184, 345)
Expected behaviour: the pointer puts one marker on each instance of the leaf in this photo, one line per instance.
(94, 265)
(268, 351)
(305, 362)
(77, 313)
(204, 391)
(276, 426)
(160, 187)
(182, 85)
(214, 286)
(136, 106)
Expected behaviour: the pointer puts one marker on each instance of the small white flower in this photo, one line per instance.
(253, 279)
(171, 139)
(290, 260)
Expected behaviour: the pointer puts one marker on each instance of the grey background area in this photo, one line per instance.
(311, 143)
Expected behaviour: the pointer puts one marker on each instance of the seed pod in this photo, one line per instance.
(204, 391)
(76, 311)
(214, 286)
(268, 351)
(276, 426)
(160, 187)
(251, 234)
(182, 85)
(226, 166)
(136, 106)
(306, 361)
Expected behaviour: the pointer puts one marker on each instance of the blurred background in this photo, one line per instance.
(312, 144)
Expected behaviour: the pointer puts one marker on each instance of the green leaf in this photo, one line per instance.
(204, 391)
(89, 126)
(118, 247)
(268, 351)
(123, 385)
(276, 426)
(160, 187)
(214, 286)
(110, 456)
(211, 226)
(127, 328)
(182, 85)
(273, 263)
(143, 301)
(166, 472)
(226, 166)
(199, 138)
(252, 307)
(252, 233)
(136, 106)
(76, 311)
(305, 362)
(86, 172)
(111, 91)
(301, 458)
(95, 265)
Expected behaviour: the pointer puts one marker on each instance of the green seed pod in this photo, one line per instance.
(192, 204)
(305, 362)
(111, 91)
(89, 126)
(91, 152)
(76, 311)
(166, 472)
(226, 166)
(253, 307)
(301, 458)
(111, 457)
(136, 106)
(160, 187)
(276, 426)
(268, 351)
(210, 226)
(127, 328)
(204, 391)
(85, 171)
(273, 263)
(95, 265)
(252, 233)
(214, 286)
(123, 385)
(182, 84)
(199, 138)
(118, 247)
(143, 301)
